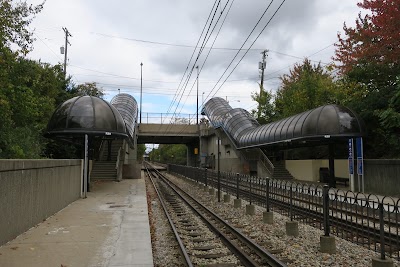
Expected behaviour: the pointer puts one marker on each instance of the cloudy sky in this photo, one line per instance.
(111, 38)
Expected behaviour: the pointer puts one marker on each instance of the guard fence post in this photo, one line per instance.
(327, 243)
(382, 230)
(291, 202)
(250, 190)
(237, 203)
(205, 176)
(382, 261)
(237, 185)
(325, 197)
(292, 227)
(267, 194)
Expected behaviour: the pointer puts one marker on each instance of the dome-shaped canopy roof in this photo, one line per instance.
(86, 115)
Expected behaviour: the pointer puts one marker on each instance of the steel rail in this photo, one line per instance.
(266, 257)
(182, 248)
(341, 225)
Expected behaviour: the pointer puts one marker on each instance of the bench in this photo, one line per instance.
(341, 180)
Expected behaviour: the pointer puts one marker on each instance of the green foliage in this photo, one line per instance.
(306, 87)
(265, 112)
(369, 60)
(15, 17)
(88, 89)
(175, 154)
(28, 96)
(141, 149)
(30, 90)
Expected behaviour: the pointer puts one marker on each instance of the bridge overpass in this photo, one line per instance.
(156, 133)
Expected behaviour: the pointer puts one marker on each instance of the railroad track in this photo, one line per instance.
(204, 238)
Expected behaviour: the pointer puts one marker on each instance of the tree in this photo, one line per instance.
(390, 118)
(28, 94)
(375, 38)
(306, 87)
(90, 89)
(141, 148)
(265, 112)
(15, 17)
(368, 57)
(175, 154)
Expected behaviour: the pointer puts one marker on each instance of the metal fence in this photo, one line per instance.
(168, 118)
(369, 220)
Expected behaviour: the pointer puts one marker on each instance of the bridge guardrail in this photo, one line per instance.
(168, 118)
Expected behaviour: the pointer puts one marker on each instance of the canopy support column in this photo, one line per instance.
(332, 179)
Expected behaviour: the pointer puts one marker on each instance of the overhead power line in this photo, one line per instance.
(262, 30)
(245, 41)
(187, 67)
(212, 45)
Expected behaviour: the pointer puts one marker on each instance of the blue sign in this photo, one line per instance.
(351, 166)
(351, 162)
(359, 145)
(359, 166)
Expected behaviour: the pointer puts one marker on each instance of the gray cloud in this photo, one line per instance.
(299, 29)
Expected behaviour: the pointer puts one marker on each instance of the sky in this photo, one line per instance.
(110, 39)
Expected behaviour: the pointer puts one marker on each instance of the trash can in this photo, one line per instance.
(324, 175)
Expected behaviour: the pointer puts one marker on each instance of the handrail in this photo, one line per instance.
(101, 151)
(262, 157)
(117, 164)
(266, 162)
(119, 154)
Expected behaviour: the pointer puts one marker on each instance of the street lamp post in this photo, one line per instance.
(141, 87)
(197, 117)
(197, 100)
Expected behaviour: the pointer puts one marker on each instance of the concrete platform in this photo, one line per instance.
(109, 228)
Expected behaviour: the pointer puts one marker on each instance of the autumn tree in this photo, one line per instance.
(368, 55)
(306, 87)
(375, 39)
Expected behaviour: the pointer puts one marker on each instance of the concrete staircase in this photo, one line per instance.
(104, 169)
(280, 172)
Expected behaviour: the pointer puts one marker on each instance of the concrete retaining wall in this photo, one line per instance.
(308, 170)
(33, 190)
(382, 177)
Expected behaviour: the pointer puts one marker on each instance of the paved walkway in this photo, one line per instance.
(109, 228)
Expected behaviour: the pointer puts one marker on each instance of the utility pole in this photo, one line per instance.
(197, 100)
(141, 87)
(67, 34)
(197, 116)
(261, 66)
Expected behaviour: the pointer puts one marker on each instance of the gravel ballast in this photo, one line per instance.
(303, 250)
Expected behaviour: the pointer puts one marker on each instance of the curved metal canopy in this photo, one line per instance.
(128, 108)
(86, 115)
(322, 123)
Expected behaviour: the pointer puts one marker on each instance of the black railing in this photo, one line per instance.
(369, 220)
